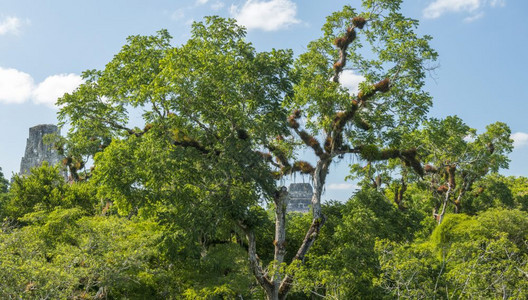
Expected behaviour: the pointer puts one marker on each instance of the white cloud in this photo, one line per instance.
(440, 7)
(520, 139)
(10, 25)
(19, 87)
(351, 81)
(474, 17)
(177, 14)
(217, 5)
(342, 186)
(201, 2)
(266, 15)
(15, 86)
(500, 3)
(53, 87)
(469, 138)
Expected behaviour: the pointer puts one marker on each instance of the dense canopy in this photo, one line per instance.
(176, 158)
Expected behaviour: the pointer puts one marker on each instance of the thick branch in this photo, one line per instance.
(188, 142)
(345, 149)
(268, 158)
(308, 139)
(308, 241)
(382, 86)
(279, 156)
(372, 153)
(343, 42)
(129, 130)
(399, 192)
(451, 169)
(311, 142)
(303, 167)
(335, 138)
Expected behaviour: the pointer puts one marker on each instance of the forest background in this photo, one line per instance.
(186, 204)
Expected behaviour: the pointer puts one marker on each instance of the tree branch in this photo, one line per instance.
(343, 42)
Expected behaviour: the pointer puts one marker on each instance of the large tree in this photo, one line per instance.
(455, 157)
(214, 132)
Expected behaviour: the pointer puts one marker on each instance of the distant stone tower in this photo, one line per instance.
(300, 197)
(38, 152)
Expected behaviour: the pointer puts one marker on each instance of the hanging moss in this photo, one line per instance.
(305, 136)
(430, 169)
(364, 95)
(409, 158)
(359, 22)
(442, 189)
(338, 66)
(66, 161)
(147, 127)
(382, 86)
(242, 134)
(304, 167)
(451, 175)
(340, 42)
(313, 142)
(342, 118)
(362, 124)
(369, 152)
(328, 144)
(297, 113)
(388, 154)
(343, 42)
(350, 35)
(292, 122)
(280, 157)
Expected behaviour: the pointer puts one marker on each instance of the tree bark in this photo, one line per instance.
(281, 203)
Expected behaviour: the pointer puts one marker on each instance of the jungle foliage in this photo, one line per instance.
(175, 156)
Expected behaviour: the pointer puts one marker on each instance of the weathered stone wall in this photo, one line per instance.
(37, 151)
(300, 197)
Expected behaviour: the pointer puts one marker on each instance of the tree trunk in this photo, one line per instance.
(440, 217)
(318, 219)
(281, 203)
(275, 285)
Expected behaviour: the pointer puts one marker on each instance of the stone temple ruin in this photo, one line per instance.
(37, 151)
(300, 197)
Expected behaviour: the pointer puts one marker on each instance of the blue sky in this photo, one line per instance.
(45, 45)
